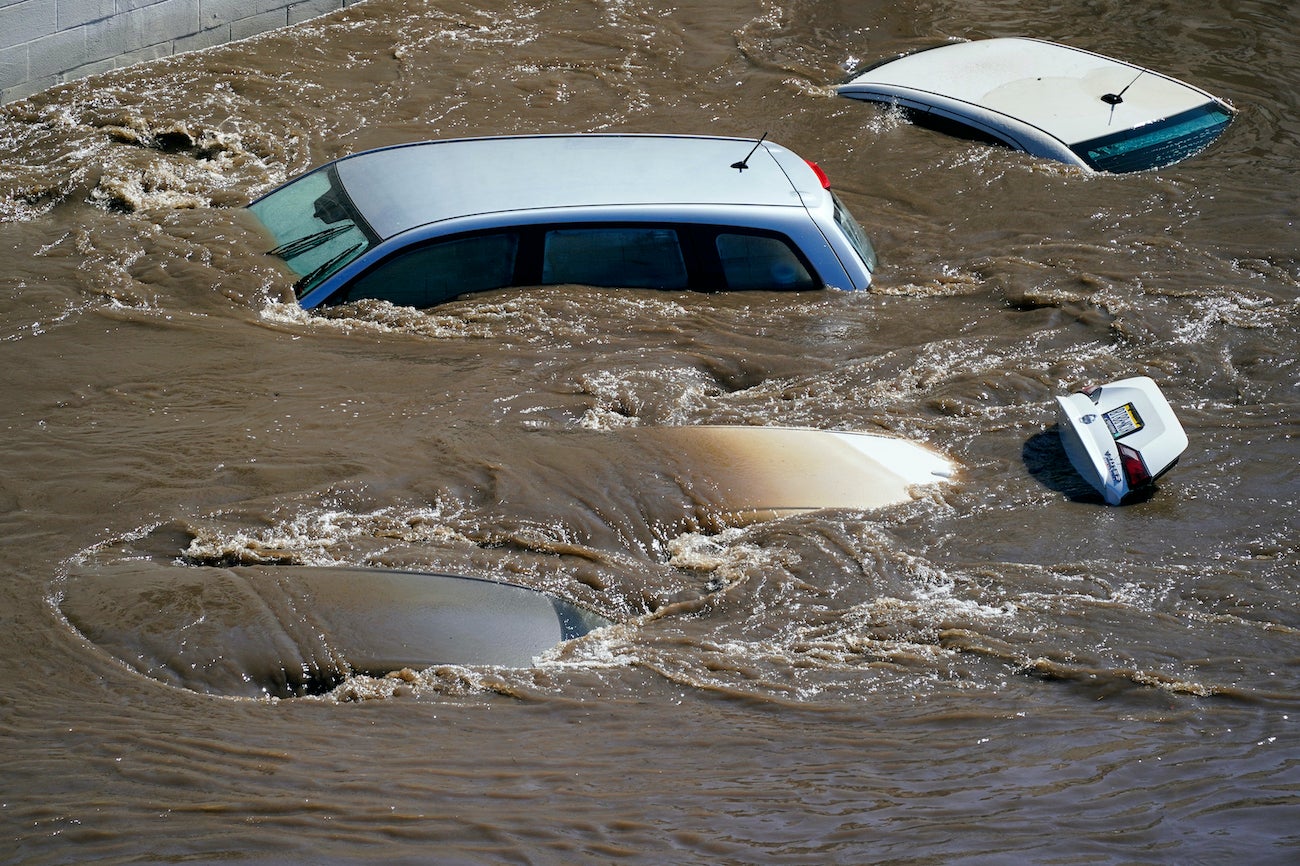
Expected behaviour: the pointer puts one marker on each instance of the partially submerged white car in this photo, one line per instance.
(1049, 100)
(1120, 436)
(420, 224)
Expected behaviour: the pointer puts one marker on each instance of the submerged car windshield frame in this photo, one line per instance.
(1157, 144)
(317, 227)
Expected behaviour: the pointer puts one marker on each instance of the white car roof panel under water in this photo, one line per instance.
(1040, 97)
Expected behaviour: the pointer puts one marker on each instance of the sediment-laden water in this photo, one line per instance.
(1004, 670)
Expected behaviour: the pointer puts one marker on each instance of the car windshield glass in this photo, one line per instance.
(1157, 144)
(316, 229)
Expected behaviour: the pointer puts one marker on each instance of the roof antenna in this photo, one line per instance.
(1114, 99)
(744, 163)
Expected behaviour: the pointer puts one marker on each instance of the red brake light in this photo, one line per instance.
(1134, 469)
(821, 175)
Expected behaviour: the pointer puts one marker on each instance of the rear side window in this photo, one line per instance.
(639, 257)
(752, 261)
(440, 271)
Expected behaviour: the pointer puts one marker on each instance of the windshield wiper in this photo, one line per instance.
(296, 248)
(306, 282)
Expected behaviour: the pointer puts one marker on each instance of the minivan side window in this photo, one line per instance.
(752, 261)
(638, 257)
(440, 271)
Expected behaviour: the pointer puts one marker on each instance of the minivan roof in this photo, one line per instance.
(399, 188)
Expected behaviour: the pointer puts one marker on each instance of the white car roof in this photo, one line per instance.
(1054, 87)
(401, 187)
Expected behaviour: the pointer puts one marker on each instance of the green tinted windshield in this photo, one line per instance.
(1157, 144)
(316, 229)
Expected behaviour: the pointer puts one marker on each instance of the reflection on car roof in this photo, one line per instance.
(401, 187)
(1061, 90)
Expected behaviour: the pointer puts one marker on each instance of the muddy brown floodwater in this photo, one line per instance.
(1005, 670)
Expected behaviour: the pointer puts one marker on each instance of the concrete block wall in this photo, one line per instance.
(48, 42)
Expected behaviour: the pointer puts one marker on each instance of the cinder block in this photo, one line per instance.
(74, 13)
(213, 36)
(88, 69)
(167, 20)
(144, 55)
(57, 53)
(214, 12)
(258, 24)
(141, 28)
(27, 88)
(13, 66)
(305, 11)
(31, 19)
(271, 5)
(132, 5)
(112, 36)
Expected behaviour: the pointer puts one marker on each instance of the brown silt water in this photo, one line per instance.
(1002, 669)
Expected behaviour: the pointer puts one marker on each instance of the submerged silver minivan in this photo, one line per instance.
(420, 224)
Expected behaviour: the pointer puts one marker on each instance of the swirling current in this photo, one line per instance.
(1000, 670)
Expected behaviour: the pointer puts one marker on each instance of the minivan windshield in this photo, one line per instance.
(315, 227)
(1156, 144)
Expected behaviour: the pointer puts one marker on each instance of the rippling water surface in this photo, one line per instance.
(1003, 670)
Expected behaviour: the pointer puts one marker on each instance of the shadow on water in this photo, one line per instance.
(1045, 459)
